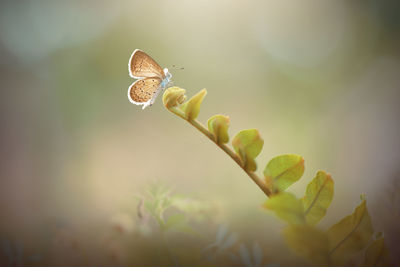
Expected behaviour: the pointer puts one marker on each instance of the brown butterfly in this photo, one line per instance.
(152, 79)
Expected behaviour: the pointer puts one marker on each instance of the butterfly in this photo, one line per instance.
(151, 79)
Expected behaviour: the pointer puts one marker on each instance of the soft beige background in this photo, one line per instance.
(317, 78)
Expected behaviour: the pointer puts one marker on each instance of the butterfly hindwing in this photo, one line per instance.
(142, 91)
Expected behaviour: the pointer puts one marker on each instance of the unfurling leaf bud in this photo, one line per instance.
(248, 144)
(192, 106)
(173, 97)
(218, 125)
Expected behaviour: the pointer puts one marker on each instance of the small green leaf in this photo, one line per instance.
(187, 229)
(175, 220)
(174, 96)
(287, 207)
(218, 125)
(192, 106)
(376, 255)
(282, 171)
(149, 206)
(189, 205)
(308, 242)
(248, 144)
(318, 197)
(351, 234)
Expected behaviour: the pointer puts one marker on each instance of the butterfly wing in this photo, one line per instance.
(143, 91)
(142, 65)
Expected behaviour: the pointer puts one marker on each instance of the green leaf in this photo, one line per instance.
(189, 205)
(149, 206)
(192, 106)
(376, 255)
(218, 125)
(282, 171)
(187, 229)
(318, 197)
(175, 220)
(287, 207)
(248, 144)
(351, 234)
(309, 243)
(174, 96)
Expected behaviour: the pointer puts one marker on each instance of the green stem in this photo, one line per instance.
(224, 147)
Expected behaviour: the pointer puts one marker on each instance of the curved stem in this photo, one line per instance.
(224, 147)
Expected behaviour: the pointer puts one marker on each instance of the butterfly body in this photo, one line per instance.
(167, 78)
(152, 79)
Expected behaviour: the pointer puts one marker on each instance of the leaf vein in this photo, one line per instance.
(288, 169)
(347, 237)
(316, 197)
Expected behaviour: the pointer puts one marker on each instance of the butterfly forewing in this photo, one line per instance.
(142, 65)
(142, 91)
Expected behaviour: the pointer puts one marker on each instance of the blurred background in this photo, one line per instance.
(317, 78)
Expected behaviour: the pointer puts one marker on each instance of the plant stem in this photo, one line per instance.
(224, 147)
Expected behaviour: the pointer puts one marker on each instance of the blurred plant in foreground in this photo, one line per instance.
(164, 215)
(169, 210)
(223, 249)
